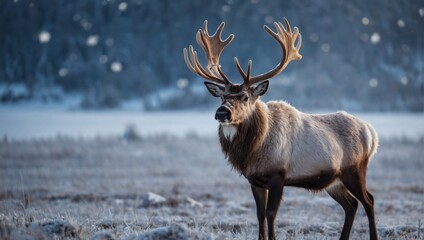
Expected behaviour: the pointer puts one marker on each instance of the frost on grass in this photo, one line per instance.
(97, 189)
(60, 228)
(54, 229)
(103, 235)
(174, 231)
(5, 230)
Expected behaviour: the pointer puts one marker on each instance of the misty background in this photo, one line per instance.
(357, 55)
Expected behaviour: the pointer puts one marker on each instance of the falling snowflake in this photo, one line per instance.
(314, 37)
(44, 37)
(325, 47)
(92, 40)
(63, 72)
(85, 24)
(122, 6)
(375, 38)
(421, 12)
(182, 83)
(226, 8)
(365, 21)
(116, 67)
(76, 17)
(404, 81)
(400, 23)
(373, 82)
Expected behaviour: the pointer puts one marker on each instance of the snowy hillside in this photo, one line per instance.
(357, 55)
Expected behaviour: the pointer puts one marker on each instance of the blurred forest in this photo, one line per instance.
(357, 55)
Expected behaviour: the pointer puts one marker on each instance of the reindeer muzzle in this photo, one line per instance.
(223, 114)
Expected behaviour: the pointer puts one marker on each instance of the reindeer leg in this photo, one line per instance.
(261, 197)
(275, 188)
(355, 182)
(349, 204)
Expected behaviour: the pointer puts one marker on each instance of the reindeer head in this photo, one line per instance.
(238, 100)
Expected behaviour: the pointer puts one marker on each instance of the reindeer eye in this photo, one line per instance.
(243, 98)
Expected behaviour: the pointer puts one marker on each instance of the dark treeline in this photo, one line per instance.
(357, 55)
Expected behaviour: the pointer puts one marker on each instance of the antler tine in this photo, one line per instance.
(194, 65)
(286, 38)
(246, 76)
(249, 67)
(213, 47)
(187, 60)
(191, 63)
(239, 68)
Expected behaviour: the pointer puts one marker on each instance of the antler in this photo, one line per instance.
(286, 38)
(213, 46)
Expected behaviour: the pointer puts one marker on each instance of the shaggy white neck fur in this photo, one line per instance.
(229, 131)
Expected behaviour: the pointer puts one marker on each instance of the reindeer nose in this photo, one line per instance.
(223, 114)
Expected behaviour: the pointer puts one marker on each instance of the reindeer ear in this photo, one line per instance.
(215, 89)
(261, 88)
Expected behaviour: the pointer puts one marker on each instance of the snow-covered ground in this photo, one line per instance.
(28, 123)
(92, 187)
(55, 184)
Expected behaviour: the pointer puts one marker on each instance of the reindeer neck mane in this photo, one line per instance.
(240, 142)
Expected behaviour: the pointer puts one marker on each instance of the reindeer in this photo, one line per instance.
(274, 145)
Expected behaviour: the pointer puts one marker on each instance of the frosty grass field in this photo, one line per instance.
(89, 175)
